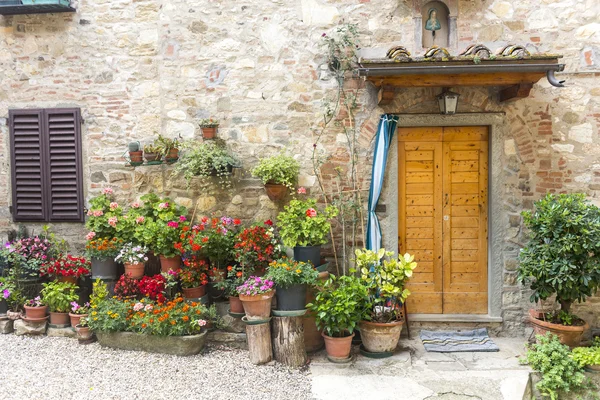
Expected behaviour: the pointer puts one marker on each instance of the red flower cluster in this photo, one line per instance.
(193, 273)
(153, 287)
(256, 247)
(126, 287)
(66, 266)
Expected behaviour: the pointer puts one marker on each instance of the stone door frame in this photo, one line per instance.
(496, 122)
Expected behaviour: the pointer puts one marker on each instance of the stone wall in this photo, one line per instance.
(139, 68)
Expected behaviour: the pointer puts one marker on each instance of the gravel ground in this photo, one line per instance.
(35, 368)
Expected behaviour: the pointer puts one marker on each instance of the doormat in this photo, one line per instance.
(454, 341)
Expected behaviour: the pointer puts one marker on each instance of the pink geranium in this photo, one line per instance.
(113, 205)
(136, 204)
(107, 191)
(139, 220)
(163, 205)
(182, 219)
(98, 213)
(90, 236)
(112, 221)
(302, 190)
(173, 224)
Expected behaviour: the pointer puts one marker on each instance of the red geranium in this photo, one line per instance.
(66, 265)
(256, 247)
(152, 286)
(126, 286)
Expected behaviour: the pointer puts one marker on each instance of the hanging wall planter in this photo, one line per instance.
(276, 192)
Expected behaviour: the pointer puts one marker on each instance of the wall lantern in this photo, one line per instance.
(448, 102)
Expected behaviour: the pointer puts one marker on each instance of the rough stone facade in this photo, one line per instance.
(137, 68)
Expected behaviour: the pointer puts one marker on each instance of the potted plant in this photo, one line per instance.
(59, 296)
(133, 257)
(153, 153)
(5, 292)
(127, 287)
(206, 160)
(256, 247)
(193, 278)
(169, 148)
(66, 268)
(11, 293)
(78, 312)
(162, 238)
(136, 155)
(279, 175)
(561, 258)
(588, 357)
(338, 307)
(209, 127)
(153, 287)
(385, 277)
(291, 280)
(234, 278)
(102, 252)
(305, 229)
(104, 216)
(35, 309)
(256, 294)
(83, 330)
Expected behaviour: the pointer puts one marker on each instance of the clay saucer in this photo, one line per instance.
(35, 320)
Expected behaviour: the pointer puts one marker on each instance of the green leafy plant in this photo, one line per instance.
(285, 273)
(208, 123)
(586, 356)
(152, 149)
(165, 144)
(340, 304)
(161, 236)
(560, 373)
(99, 293)
(385, 277)
(281, 169)
(59, 295)
(300, 224)
(562, 256)
(205, 160)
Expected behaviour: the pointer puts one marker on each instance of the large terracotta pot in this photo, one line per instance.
(338, 348)
(136, 270)
(235, 305)
(75, 318)
(257, 306)
(59, 318)
(209, 132)
(167, 263)
(275, 191)
(69, 279)
(380, 337)
(195, 292)
(569, 335)
(35, 312)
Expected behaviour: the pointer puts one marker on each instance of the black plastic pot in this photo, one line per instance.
(104, 269)
(3, 307)
(291, 298)
(310, 254)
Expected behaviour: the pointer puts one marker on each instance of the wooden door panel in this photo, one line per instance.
(419, 223)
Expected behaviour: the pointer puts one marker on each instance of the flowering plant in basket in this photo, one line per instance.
(257, 246)
(255, 285)
(66, 265)
(153, 287)
(80, 309)
(126, 287)
(285, 273)
(103, 248)
(132, 254)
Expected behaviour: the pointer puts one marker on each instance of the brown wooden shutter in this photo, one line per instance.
(63, 152)
(46, 165)
(28, 181)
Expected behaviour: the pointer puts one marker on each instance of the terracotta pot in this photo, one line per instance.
(257, 306)
(70, 279)
(313, 340)
(276, 192)
(569, 335)
(136, 270)
(380, 337)
(209, 132)
(235, 305)
(195, 292)
(75, 318)
(173, 154)
(136, 156)
(338, 347)
(59, 318)
(83, 332)
(152, 156)
(36, 312)
(167, 263)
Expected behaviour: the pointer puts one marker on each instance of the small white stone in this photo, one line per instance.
(503, 9)
(587, 31)
(563, 148)
(582, 133)
(542, 19)
(177, 114)
(584, 178)
(509, 147)
(237, 199)
(315, 13)
(254, 95)
(306, 180)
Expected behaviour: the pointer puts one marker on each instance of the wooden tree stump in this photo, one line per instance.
(288, 341)
(259, 343)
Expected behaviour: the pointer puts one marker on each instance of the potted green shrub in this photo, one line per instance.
(588, 357)
(338, 307)
(561, 258)
(153, 153)
(209, 127)
(59, 296)
(169, 148)
(291, 281)
(278, 173)
(305, 229)
(206, 160)
(385, 277)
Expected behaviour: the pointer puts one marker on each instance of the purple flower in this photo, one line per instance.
(6, 293)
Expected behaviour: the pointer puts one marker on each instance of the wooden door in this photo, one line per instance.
(443, 217)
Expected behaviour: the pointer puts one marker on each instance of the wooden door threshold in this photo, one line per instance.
(453, 318)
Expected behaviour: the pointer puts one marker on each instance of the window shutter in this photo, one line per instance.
(26, 139)
(63, 152)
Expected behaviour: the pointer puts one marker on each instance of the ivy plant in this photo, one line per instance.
(281, 169)
(340, 304)
(59, 295)
(562, 256)
(300, 224)
(560, 372)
